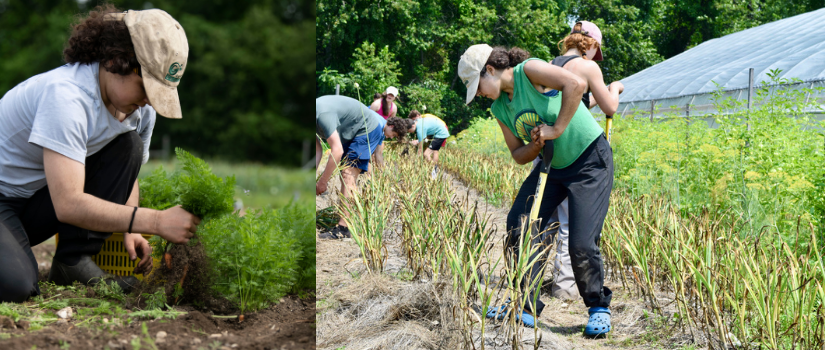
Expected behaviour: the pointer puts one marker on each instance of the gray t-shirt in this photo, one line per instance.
(61, 110)
(347, 115)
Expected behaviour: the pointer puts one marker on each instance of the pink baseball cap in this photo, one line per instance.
(591, 30)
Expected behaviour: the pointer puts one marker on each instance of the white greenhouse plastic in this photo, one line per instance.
(684, 83)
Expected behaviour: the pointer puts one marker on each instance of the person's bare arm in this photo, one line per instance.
(134, 197)
(66, 179)
(379, 156)
(607, 99)
(335, 154)
(319, 152)
(522, 153)
(375, 105)
(135, 245)
(571, 86)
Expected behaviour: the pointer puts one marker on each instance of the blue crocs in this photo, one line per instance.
(493, 312)
(599, 323)
(527, 319)
(498, 313)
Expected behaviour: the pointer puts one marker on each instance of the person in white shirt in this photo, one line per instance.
(71, 145)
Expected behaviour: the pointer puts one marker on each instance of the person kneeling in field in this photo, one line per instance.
(535, 101)
(72, 143)
(429, 125)
(354, 133)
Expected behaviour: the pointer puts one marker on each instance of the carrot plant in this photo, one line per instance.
(194, 187)
(256, 258)
(200, 191)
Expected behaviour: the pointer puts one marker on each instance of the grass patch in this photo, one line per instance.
(257, 185)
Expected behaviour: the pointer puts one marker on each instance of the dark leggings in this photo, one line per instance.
(27, 222)
(587, 182)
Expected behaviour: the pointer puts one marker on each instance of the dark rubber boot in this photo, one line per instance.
(88, 273)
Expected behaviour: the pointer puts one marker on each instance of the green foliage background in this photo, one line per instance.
(418, 42)
(247, 79)
(763, 165)
(255, 259)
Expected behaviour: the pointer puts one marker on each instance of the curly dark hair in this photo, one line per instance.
(502, 58)
(96, 39)
(400, 124)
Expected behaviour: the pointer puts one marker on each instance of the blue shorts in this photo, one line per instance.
(357, 152)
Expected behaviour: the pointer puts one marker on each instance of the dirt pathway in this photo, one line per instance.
(346, 294)
(564, 320)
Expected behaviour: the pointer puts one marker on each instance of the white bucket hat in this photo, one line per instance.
(470, 66)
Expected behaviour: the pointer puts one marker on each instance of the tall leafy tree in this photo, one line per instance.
(427, 37)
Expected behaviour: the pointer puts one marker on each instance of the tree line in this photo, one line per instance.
(416, 44)
(247, 81)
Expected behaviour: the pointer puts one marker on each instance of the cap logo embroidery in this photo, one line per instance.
(173, 70)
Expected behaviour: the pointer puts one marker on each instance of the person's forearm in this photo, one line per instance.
(379, 156)
(133, 201)
(527, 153)
(571, 95)
(593, 102)
(319, 152)
(92, 213)
(134, 197)
(614, 95)
(332, 163)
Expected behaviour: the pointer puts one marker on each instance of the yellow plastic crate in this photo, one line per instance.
(114, 259)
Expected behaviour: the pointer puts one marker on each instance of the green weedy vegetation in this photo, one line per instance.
(729, 219)
(255, 259)
(296, 220)
(156, 191)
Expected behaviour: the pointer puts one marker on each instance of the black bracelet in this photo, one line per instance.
(132, 221)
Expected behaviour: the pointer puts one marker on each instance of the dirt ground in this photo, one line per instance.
(348, 295)
(288, 325)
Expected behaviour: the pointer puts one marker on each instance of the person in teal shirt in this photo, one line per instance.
(429, 125)
(535, 101)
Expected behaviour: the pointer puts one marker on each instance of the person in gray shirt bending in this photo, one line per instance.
(354, 133)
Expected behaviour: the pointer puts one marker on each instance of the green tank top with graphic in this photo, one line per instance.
(530, 108)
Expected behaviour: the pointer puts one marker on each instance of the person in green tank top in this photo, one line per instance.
(535, 101)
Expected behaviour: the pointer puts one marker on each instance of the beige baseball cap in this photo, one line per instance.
(162, 50)
(470, 66)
